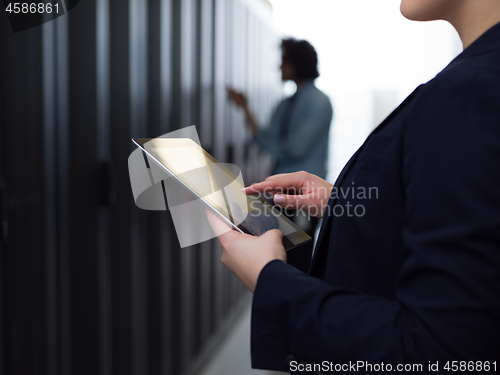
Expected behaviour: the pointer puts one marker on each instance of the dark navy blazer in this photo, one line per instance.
(413, 275)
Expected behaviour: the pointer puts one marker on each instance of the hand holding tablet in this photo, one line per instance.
(219, 189)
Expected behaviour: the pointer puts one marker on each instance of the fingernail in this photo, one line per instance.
(279, 199)
(245, 189)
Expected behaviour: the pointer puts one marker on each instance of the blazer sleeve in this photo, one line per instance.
(448, 294)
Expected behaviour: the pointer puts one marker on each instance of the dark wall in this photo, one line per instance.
(90, 284)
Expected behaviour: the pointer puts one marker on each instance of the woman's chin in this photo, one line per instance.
(418, 10)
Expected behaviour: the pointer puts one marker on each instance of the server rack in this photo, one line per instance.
(89, 283)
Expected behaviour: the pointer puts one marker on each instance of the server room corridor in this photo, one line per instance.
(233, 355)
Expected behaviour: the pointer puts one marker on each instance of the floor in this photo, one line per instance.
(233, 356)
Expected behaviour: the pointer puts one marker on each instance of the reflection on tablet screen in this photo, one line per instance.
(220, 185)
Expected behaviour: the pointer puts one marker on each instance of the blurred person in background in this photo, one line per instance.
(297, 135)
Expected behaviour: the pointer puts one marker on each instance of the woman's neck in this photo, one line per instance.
(474, 19)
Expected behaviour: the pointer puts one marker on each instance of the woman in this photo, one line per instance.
(415, 279)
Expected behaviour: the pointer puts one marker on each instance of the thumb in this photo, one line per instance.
(273, 235)
(274, 232)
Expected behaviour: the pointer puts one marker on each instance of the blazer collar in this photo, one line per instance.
(340, 179)
(489, 40)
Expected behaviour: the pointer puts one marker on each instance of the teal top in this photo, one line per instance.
(297, 136)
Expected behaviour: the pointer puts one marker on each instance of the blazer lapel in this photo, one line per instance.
(326, 224)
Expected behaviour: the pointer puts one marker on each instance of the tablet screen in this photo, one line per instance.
(220, 186)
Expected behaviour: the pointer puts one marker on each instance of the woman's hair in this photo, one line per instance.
(302, 56)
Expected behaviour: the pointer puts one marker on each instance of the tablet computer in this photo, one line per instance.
(219, 186)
